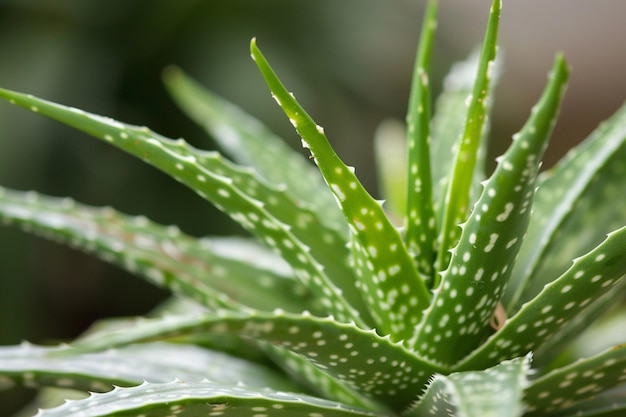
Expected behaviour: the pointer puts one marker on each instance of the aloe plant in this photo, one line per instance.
(330, 308)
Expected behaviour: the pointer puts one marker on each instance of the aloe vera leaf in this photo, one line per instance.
(420, 234)
(254, 207)
(561, 301)
(570, 384)
(336, 348)
(391, 285)
(229, 344)
(565, 341)
(200, 398)
(316, 380)
(566, 220)
(608, 404)
(217, 273)
(250, 143)
(457, 200)
(390, 147)
(63, 367)
(481, 262)
(496, 391)
(447, 129)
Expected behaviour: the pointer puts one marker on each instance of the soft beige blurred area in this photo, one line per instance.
(592, 34)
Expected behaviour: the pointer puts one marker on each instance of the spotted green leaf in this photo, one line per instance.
(585, 378)
(566, 341)
(420, 232)
(608, 404)
(457, 200)
(589, 277)
(37, 366)
(208, 398)
(265, 211)
(317, 380)
(481, 263)
(387, 276)
(567, 220)
(447, 129)
(337, 348)
(250, 143)
(219, 273)
(496, 392)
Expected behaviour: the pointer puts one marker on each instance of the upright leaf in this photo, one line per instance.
(387, 275)
(586, 378)
(457, 199)
(420, 234)
(482, 261)
(447, 129)
(567, 220)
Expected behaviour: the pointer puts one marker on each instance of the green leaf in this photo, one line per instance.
(226, 273)
(457, 199)
(387, 276)
(561, 301)
(482, 261)
(265, 211)
(571, 384)
(493, 392)
(420, 235)
(578, 332)
(200, 399)
(324, 385)
(609, 404)
(250, 143)
(389, 148)
(447, 130)
(131, 365)
(360, 359)
(567, 219)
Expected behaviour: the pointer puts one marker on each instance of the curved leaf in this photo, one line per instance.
(561, 301)
(201, 398)
(567, 221)
(246, 198)
(250, 143)
(216, 272)
(360, 359)
(130, 365)
(387, 277)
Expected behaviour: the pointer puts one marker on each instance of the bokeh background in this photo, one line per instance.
(348, 61)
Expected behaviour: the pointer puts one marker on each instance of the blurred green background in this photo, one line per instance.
(349, 62)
